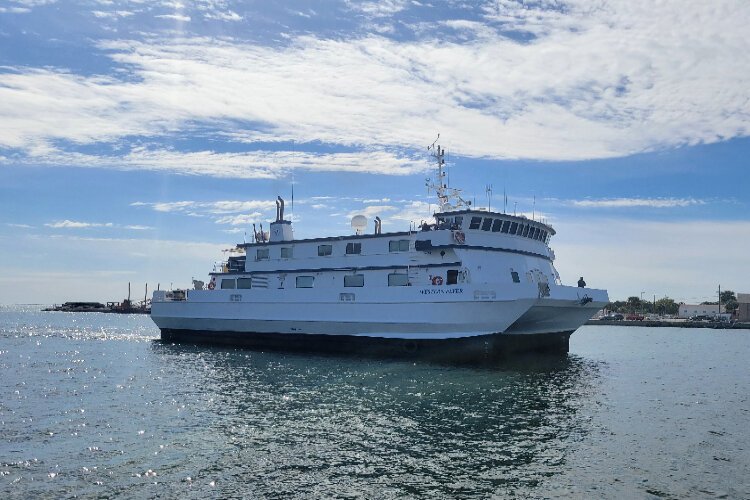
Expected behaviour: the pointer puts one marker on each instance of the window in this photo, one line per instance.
(305, 281)
(487, 224)
(324, 250)
(353, 248)
(228, 284)
(458, 221)
(496, 225)
(526, 231)
(244, 282)
(475, 221)
(544, 236)
(452, 277)
(513, 227)
(515, 277)
(519, 231)
(398, 246)
(506, 226)
(354, 280)
(287, 252)
(261, 254)
(398, 279)
(536, 233)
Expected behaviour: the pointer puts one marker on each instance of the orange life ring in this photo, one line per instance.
(437, 280)
(459, 236)
(211, 285)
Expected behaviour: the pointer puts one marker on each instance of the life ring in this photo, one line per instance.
(211, 285)
(437, 280)
(459, 236)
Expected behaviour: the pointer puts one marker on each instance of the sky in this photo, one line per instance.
(139, 140)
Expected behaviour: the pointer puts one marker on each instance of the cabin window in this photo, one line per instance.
(526, 231)
(452, 277)
(287, 252)
(354, 280)
(305, 281)
(261, 254)
(519, 232)
(487, 224)
(398, 279)
(458, 221)
(497, 224)
(228, 284)
(545, 236)
(353, 248)
(398, 246)
(536, 233)
(244, 282)
(506, 226)
(514, 276)
(475, 221)
(513, 227)
(324, 250)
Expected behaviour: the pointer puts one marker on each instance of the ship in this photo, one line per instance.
(469, 284)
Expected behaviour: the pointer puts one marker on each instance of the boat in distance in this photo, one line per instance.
(473, 284)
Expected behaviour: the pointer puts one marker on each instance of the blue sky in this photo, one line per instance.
(139, 139)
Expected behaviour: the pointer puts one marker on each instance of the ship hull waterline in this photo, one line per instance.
(480, 348)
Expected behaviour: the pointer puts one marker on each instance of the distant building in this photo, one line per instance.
(743, 311)
(690, 310)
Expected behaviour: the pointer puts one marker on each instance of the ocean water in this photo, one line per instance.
(93, 405)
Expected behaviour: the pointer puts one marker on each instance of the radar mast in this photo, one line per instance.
(448, 198)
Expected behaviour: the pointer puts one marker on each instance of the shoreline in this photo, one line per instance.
(673, 324)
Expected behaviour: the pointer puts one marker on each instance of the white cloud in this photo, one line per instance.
(596, 81)
(77, 224)
(176, 17)
(19, 226)
(638, 202)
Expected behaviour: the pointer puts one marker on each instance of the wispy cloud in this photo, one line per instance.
(638, 202)
(70, 224)
(592, 82)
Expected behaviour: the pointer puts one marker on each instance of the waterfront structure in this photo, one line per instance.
(743, 307)
(687, 311)
(469, 283)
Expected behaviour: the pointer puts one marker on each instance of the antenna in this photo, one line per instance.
(444, 193)
(488, 190)
(533, 210)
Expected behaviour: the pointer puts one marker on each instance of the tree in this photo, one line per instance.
(667, 306)
(634, 303)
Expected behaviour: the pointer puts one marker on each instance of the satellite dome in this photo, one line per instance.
(359, 223)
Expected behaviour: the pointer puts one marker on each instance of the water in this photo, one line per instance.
(94, 406)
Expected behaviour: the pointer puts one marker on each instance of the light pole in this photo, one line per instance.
(642, 303)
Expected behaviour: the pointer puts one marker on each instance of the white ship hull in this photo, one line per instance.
(413, 318)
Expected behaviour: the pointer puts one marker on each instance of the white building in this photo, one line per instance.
(743, 311)
(690, 310)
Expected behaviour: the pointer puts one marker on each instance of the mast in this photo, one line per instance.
(444, 193)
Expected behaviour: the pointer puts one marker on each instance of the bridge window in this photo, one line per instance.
(506, 226)
(305, 281)
(487, 224)
(244, 282)
(261, 254)
(475, 222)
(354, 280)
(458, 221)
(497, 225)
(228, 284)
(324, 250)
(513, 227)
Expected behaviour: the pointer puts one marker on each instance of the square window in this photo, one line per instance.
(354, 280)
(506, 226)
(244, 282)
(398, 279)
(487, 224)
(496, 225)
(261, 254)
(228, 284)
(286, 252)
(353, 248)
(324, 250)
(475, 222)
(305, 281)
(513, 227)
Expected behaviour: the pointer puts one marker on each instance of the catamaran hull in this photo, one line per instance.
(477, 349)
